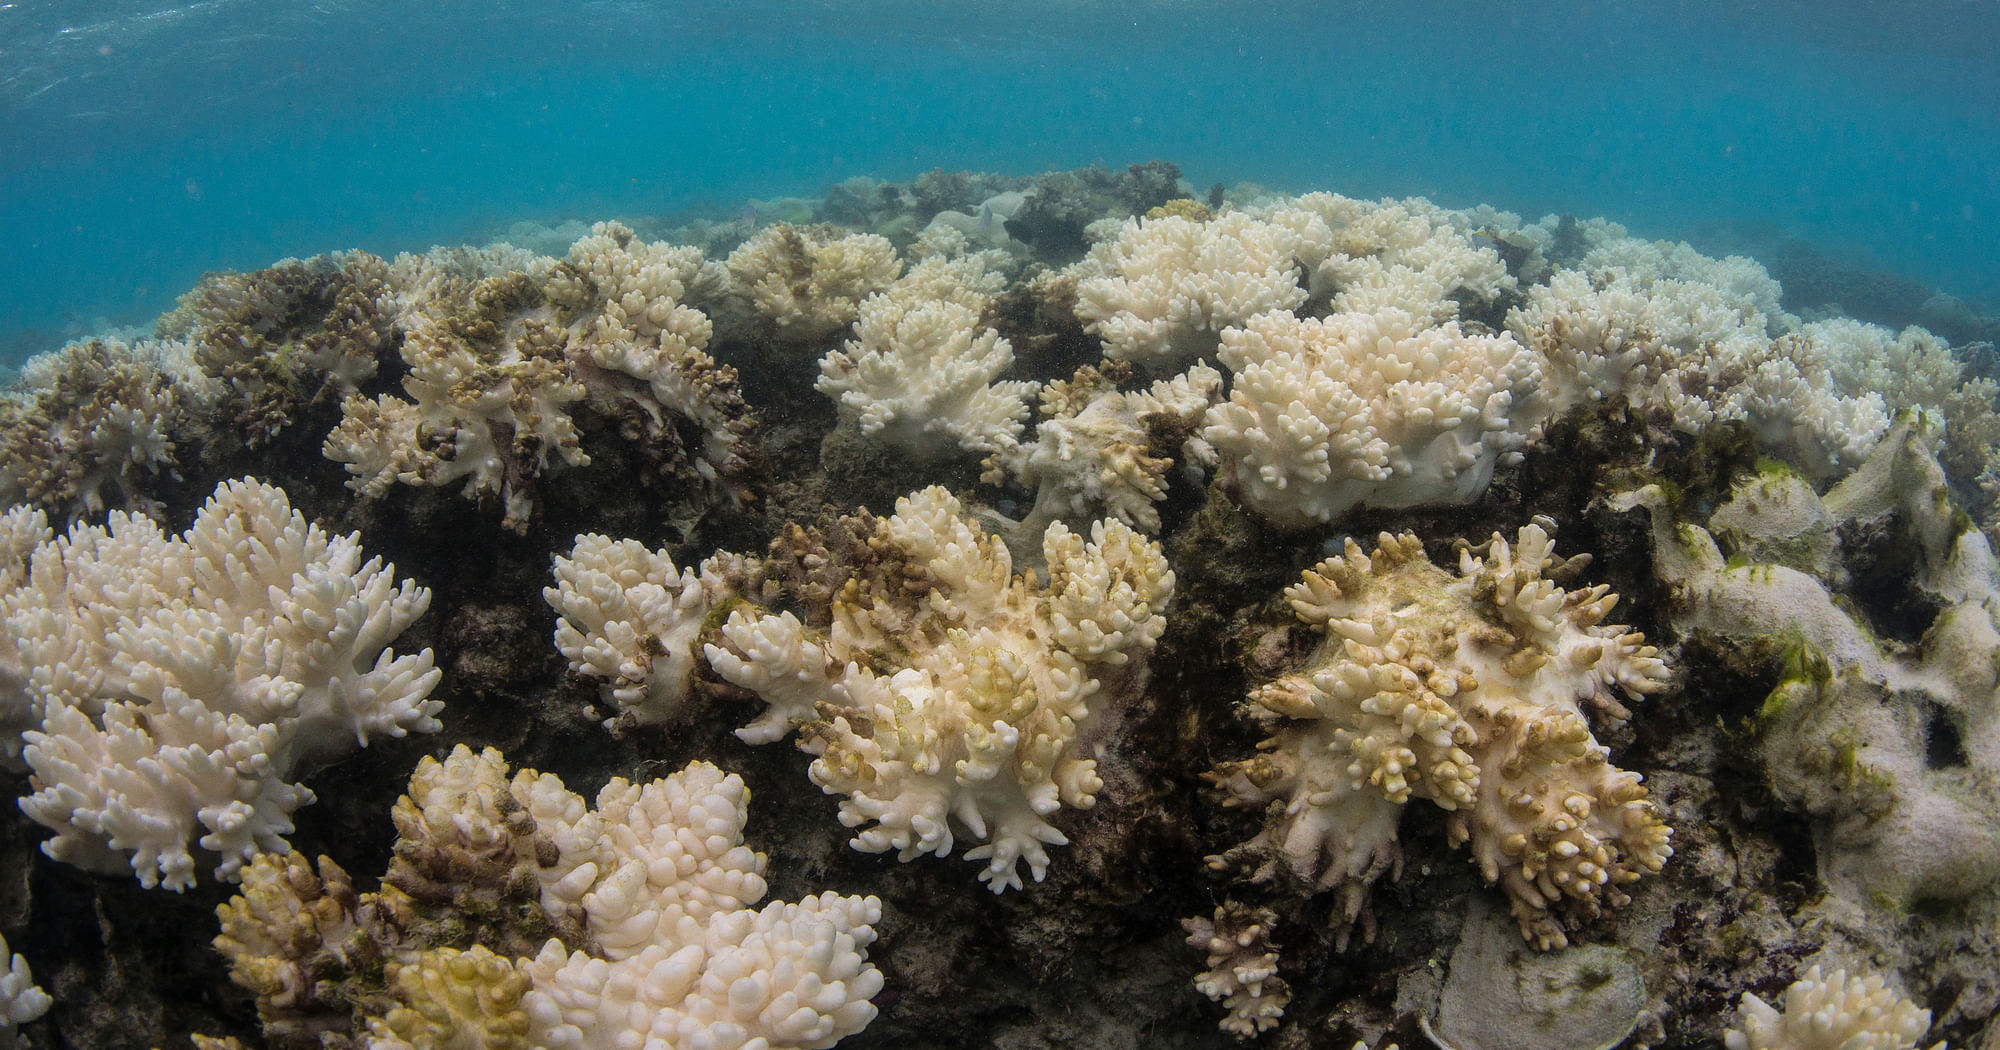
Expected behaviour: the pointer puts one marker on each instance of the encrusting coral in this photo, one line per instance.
(1469, 691)
(516, 915)
(949, 691)
(171, 687)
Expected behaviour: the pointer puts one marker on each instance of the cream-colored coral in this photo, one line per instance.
(180, 682)
(628, 618)
(1831, 1011)
(951, 696)
(1162, 290)
(1408, 255)
(21, 1000)
(499, 368)
(669, 951)
(1694, 356)
(1242, 971)
(922, 372)
(1098, 450)
(806, 283)
(1468, 691)
(1367, 409)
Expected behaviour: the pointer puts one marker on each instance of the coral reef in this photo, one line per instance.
(1831, 1012)
(1146, 433)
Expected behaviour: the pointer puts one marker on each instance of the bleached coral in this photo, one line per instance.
(95, 423)
(500, 367)
(1693, 356)
(180, 682)
(628, 618)
(923, 369)
(1162, 290)
(1848, 733)
(1468, 691)
(21, 1000)
(806, 283)
(950, 692)
(1242, 971)
(1408, 255)
(1831, 1011)
(1098, 450)
(1327, 415)
(672, 952)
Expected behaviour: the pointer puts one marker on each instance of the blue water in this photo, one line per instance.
(142, 143)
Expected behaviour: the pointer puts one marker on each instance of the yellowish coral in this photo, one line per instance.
(1468, 691)
(950, 695)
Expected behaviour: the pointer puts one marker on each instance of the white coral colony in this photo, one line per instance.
(173, 685)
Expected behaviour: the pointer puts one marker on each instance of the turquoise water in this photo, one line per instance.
(147, 143)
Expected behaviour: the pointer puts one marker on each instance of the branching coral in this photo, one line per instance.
(804, 284)
(285, 336)
(500, 365)
(1242, 971)
(21, 1000)
(630, 619)
(94, 422)
(950, 692)
(649, 895)
(1325, 416)
(1831, 1012)
(1099, 450)
(179, 683)
(923, 368)
(1468, 691)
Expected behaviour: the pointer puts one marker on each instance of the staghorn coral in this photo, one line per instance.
(1831, 1011)
(176, 685)
(952, 693)
(1325, 416)
(1467, 691)
(500, 367)
(646, 902)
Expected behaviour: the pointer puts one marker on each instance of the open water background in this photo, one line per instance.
(142, 143)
